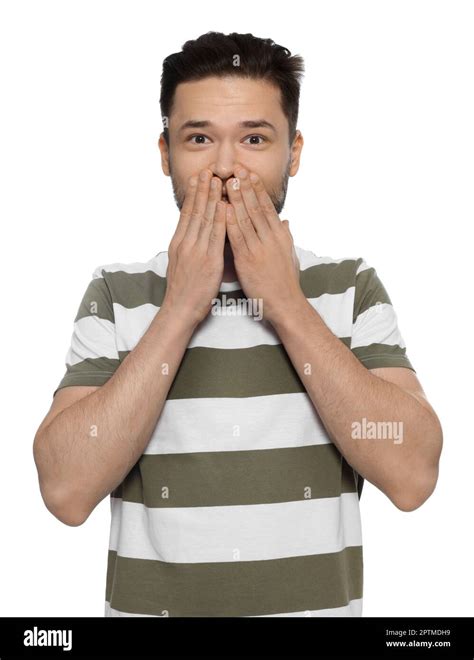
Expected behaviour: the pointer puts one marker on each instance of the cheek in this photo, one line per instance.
(190, 162)
(269, 173)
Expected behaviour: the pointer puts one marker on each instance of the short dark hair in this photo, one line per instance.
(213, 54)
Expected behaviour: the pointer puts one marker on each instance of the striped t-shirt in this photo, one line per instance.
(240, 505)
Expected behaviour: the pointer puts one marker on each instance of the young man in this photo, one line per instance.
(234, 438)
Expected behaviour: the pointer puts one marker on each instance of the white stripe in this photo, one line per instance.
(96, 337)
(110, 611)
(377, 325)
(159, 263)
(307, 258)
(336, 310)
(237, 424)
(242, 330)
(154, 264)
(92, 337)
(363, 266)
(235, 533)
(353, 608)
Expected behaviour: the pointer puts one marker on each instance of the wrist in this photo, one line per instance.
(179, 316)
(286, 314)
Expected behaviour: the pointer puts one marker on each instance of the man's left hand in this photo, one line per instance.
(265, 259)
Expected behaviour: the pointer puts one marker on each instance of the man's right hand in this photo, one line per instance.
(196, 252)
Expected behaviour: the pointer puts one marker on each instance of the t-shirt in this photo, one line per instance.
(240, 504)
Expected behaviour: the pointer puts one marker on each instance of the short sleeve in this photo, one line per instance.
(92, 357)
(376, 339)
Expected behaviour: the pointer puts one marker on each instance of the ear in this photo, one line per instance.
(296, 149)
(165, 156)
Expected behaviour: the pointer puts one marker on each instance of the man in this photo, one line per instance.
(234, 438)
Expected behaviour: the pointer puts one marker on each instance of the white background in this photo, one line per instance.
(387, 173)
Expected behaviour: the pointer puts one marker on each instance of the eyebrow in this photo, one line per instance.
(249, 123)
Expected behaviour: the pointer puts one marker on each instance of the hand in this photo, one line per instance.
(265, 258)
(196, 251)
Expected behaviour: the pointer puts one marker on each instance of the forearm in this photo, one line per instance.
(90, 447)
(344, 392)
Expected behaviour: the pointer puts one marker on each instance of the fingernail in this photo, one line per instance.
(203, 175)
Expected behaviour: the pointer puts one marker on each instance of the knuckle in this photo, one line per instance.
(268, 207)
(204, 184)
(183, 247)
(240, 240)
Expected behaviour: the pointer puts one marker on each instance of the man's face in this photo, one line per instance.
(223, 143)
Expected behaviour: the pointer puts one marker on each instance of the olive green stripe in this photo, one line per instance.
(93, 371)
(96, 301)
(214, 373)
(369, 291)
(227, 478)
(134, 289)
(257, 371)
(96, 380)
(331, 278)
(242, 372)
(382, 355)
(227, 589)
(209, 372)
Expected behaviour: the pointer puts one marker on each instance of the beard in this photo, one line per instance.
(278, 196)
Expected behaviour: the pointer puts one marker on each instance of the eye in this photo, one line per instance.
(195, 136)
(200, 135)
(257, 136)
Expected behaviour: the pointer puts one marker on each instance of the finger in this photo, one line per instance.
(199, 207)
(215, 189)
(186, 209)
(243, 219)
(217, 234)
(236, 237)
(251, 204)
(265, 201)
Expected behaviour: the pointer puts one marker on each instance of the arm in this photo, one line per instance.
(344, 391)
(78, 468)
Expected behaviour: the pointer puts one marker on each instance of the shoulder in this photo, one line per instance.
(156, 264)
(133, 283)
(329, 274)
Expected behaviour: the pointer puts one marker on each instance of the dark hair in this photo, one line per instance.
(213, 54)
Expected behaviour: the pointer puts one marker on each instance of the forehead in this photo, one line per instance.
(227, 100)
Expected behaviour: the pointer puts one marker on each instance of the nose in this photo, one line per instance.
(225, 171)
